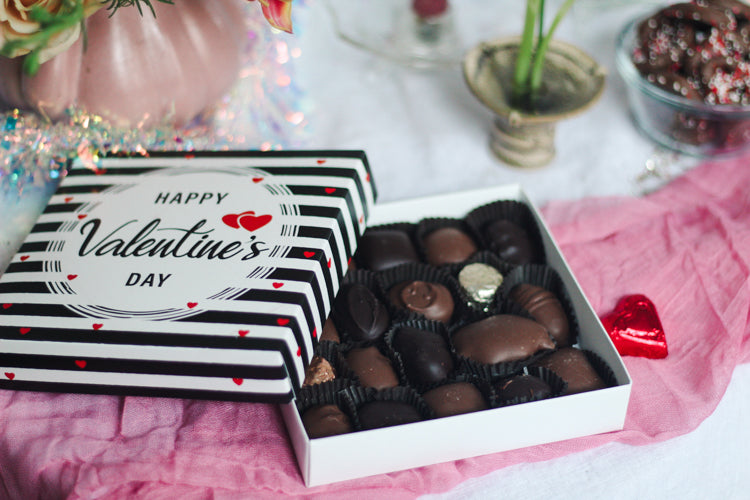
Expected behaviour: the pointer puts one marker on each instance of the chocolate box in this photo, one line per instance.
(201, 275)
(368, 452)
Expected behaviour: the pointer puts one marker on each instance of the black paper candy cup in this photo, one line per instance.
(321, 395)
(405, 397)
(419, 272)
(515, 212)
(434, 327)
(472, 290)
(429, 225)
(547, 278)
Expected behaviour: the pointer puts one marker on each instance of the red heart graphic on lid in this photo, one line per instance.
(24, 258)
(308, 254)
(71, 277)
(68, 199)
(80, 363)
(97, 326)
(257, 179)
(7, 306)
(299, 351)
(243, 332)
(315, 333)
(10, 375)
(189, 156)
(238, 381)
(367, 178)
(330, 190)
(278, 285)
(191, 304)
(635, 328)
(247, 220)
(282, 321)
(320, 162)
(329, 263)
(24, 330)
(81, 216)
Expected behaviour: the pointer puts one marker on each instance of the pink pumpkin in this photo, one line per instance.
(138, 69)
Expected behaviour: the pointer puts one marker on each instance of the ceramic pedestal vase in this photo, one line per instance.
(573, 81)
(138, 69)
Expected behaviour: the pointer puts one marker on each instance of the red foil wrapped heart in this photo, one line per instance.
(635, 328)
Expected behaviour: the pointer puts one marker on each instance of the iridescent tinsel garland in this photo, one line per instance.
(264, 111)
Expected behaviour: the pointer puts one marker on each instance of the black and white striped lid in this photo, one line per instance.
(202, 275)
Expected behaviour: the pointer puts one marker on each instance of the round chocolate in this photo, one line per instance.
(572, 365)
(330, 333)
(371, 367)
(544, 307)
(523, 388)
(510, 241)
(454, 399)
(383, 248)
(360, 313)
(424, 354)
(480, 282)
(431, 300)
(377, 414)
(318, 371)
(325, 420)
(448, 245)
(501, 339)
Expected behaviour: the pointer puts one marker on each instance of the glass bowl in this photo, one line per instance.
(684, 125)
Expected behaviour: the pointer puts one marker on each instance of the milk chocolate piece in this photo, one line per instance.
(330, 333)
(380, 249)
(523, 387)
(454, 399)
(571, 365)
(425, 355)
(501, 339)
(377, 414)
(371, 367)
(318, 371)
(510, 241)
(448, 245)
(325, 420)
(480, 282)
(361, 314)
(431, 300)
(544, 307)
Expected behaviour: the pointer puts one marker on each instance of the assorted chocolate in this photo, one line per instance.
(446, 317)
(699, 50)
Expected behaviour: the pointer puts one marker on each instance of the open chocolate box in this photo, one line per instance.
(212, 275)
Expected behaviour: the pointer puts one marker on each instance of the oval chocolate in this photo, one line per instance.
(361, 315)
(425, 355)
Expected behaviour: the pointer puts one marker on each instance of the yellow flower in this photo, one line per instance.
(16, 24)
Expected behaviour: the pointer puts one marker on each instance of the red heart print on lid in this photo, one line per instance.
(238, 381)
(80, 363)
(10, 375)
(247, 220)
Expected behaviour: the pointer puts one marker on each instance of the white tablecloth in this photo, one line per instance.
(425, 134)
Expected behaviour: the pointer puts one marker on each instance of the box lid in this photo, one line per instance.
(201, 275)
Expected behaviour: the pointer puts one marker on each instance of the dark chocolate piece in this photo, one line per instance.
(480, 282)
(377, 414)
(425, 355)
(454, 399)
(524, 388)
(371, 367)
(544, 307)
(361, 314)
(510, 242)
(380, 249)
(501, 339)
(330, 333)
(448, 245)
(325, 420)
(318, 371)
(571, 365)
(431, 300)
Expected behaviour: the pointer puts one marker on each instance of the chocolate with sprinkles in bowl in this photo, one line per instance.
(687, 74)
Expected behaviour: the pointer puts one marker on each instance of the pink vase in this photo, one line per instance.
(138, 69)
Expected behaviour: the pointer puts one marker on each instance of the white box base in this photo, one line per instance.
(360, 454)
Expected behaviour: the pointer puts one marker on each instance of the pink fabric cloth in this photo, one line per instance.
(686, 247)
